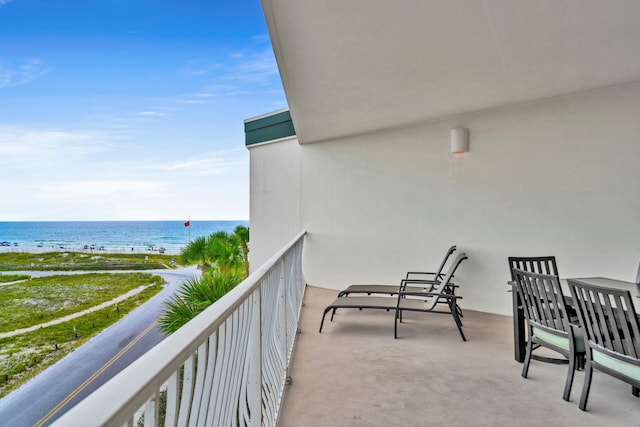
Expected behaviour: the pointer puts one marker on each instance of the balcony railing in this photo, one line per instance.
(228, 366)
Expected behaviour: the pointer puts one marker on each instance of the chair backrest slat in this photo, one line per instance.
(608, 317)
(624, 321)
(543, 300)
(542, 265)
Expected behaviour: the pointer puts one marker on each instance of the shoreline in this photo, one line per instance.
(105, 250)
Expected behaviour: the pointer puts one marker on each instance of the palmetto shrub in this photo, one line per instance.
(194, 296)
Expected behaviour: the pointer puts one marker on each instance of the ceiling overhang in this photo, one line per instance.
(352, 67)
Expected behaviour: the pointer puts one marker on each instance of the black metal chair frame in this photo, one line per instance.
(426, 278)
(442, 293)
(611, 327)
(545, 309)
(541, 265)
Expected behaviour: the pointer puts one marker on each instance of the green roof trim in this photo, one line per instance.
(268, 128)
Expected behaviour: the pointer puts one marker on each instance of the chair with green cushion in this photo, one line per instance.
(548, 321)
(612, 334)
(538, 264)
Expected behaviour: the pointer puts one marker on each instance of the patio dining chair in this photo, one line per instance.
(612, 334)
(542, 265)
(548, 322)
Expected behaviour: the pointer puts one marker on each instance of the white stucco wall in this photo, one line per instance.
(556, 177)
(274, 198)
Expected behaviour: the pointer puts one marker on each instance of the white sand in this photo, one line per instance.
(123, 250)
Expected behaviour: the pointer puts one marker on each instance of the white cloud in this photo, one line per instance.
(22, 74)
(261, 38)
(260, 67)
(241, 72)
(214, 163)
(196, 68)
(191, 101)
(36, 147)
(98, 189)
(151, 114)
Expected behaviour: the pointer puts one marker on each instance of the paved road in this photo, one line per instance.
(57, 389)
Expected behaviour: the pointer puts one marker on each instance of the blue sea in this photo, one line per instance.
(121, 236)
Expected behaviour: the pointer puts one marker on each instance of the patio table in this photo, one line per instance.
(519, 334)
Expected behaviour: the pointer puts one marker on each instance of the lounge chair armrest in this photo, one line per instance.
(425, 281)
(429, 294)
(426, 273)
(421, 272)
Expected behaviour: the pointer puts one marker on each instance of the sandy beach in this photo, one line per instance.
(108, 250)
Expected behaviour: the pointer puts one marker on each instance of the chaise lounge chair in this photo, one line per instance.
(426, 278)
(409, 300)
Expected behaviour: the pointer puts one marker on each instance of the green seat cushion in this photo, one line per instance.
(625, 368)
(559, 341)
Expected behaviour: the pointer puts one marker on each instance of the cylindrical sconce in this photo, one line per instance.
(459, 140)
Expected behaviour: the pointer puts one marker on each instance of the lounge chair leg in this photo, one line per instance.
(395, 323)
(326, 310)
(454, 312)
(333, 313)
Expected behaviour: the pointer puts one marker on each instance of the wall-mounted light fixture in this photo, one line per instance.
(459, 140)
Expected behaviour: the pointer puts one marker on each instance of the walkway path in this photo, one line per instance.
(114, 301)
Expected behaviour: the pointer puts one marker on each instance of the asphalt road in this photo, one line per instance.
(56, 390)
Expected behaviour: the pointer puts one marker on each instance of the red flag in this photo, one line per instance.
(188, 223)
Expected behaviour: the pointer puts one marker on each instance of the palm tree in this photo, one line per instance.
(228, 252)
(197, 251)
(224, 252)
(194, 296)
(241, 237)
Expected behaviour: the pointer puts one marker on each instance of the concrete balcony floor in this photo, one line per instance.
(355, 374)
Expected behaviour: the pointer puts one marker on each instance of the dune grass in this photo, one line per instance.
(72, 261)
(39, 300)
(24, 356)
(6, 278)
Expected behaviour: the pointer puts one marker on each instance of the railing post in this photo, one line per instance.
(284, 336)
(254, 388)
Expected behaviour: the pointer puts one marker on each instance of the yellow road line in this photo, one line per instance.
(89, 380)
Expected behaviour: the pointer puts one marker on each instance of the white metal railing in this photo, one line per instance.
(226, 367)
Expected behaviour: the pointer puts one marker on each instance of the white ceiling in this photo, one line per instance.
(354, 66)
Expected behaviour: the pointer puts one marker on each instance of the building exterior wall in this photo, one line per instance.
(274, 198)
(555, 177)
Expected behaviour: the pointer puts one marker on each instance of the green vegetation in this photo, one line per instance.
(23, 356)
(221, 250)
(74, 261)
(43, 299)
(194, 296)
(225, 263)
(6, 278)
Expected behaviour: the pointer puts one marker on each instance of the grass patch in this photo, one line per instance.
(42, 299)
(24, 356)
(6, 278)
(73, 261)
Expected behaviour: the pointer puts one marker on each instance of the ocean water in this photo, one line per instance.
(121, 236)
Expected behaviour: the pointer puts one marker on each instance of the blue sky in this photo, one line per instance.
(130, 109)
